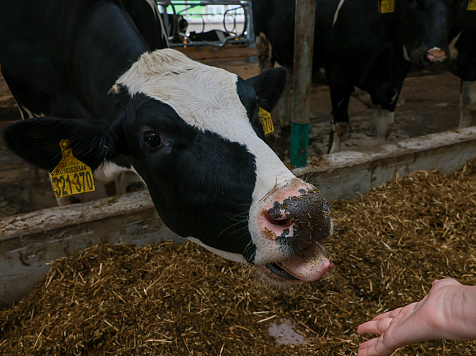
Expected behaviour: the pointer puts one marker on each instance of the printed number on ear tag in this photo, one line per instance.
(472, 5)
(71, 176)
(266, 120)
(386, 6)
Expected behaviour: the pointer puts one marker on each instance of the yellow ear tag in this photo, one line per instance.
(71, 176)
(266, 120)
(386, 6)
(472, 5)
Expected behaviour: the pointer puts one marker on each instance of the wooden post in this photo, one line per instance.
(302, 74)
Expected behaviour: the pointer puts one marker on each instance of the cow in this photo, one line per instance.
(176, 27)
(209, 36)
(191, 131)
(366, 49)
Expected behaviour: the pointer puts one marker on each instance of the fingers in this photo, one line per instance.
(445, 282)
(394, 313)
(366, 346)
(375, 347)
(392, 323)
(390, 314)
(374, 326)
(381, 322)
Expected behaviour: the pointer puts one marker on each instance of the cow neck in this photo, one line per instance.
(97, 62)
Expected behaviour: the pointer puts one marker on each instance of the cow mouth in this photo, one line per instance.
(307, 268)
(280, 272)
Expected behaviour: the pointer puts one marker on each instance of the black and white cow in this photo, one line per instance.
(188, 129)
(367, 48)
(209, 36)
(176, 27)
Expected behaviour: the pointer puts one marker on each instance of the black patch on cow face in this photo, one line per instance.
(200, 182)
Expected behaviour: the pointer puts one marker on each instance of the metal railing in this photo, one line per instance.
(236, 25)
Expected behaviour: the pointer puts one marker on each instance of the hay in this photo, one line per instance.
(168, 299)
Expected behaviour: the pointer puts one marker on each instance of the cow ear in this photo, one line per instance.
(269, 86)
(37, 141)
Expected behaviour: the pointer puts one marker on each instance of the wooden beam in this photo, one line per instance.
(30, 242)
(347, 174)
(200, 53)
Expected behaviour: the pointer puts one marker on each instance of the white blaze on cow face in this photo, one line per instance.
(206, 98)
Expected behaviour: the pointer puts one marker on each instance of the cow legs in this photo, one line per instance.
(467, 104)
(384, 120)
(129, 182)
(364, 97)
(123, 179)
(72, 199)
(340, 105)
(338, 130)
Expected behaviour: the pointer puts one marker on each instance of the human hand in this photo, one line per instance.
(445, 313)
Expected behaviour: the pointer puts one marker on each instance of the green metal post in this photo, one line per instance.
(302, 74)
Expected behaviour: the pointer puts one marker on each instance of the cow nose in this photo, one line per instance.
(436, 55)
(298, 221)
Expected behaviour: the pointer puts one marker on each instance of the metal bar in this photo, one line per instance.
(247, 35)
(302, 73)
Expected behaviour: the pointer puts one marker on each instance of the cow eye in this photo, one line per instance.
(152, 139)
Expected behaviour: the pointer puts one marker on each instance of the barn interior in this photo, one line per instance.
(74, 282)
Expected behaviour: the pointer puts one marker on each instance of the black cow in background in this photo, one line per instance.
(463, 60)
(367, 48)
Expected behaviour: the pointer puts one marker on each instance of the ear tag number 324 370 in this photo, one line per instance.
(266, 120)
(71, 176)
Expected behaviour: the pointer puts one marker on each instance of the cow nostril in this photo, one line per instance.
(282, 222)
(435, 59)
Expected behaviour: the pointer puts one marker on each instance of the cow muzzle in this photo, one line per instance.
(293, 222)
(430, 59)
(437, 56)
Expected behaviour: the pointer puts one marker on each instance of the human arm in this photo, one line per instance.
(447, 312)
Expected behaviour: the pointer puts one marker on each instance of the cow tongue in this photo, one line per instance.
(307, 269)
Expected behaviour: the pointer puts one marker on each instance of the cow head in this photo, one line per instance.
(423, 27)
(191, 132)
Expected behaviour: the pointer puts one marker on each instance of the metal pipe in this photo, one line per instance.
(302, 74)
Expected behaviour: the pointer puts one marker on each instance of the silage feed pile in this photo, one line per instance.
(168, 299)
